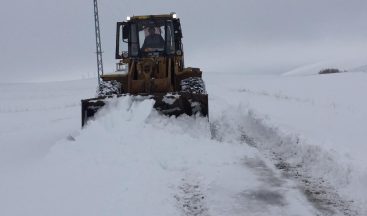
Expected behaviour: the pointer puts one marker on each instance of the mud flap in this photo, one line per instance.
(174, 103)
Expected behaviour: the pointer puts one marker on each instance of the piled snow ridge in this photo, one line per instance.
(319, 172)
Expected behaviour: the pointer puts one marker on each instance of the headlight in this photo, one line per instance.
(178, 52)
(174, 16)
(128, 18)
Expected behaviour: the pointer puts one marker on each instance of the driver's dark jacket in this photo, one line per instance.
(153, 41)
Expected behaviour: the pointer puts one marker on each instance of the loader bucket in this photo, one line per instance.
(174, 103)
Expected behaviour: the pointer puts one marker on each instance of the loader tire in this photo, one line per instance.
(108, 88)
(196, 98)
(194, 85)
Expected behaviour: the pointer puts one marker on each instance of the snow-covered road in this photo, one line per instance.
(251, 158)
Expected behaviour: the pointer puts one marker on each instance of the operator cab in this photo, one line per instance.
(148, 36)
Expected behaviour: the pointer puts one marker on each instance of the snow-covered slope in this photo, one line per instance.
(349, 64)
(274, 145)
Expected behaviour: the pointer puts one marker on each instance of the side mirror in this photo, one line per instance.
(125, 32)
(122, 35)
(177, 29)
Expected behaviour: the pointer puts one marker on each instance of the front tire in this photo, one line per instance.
(194, 85)
(108, 88)
(195, 96)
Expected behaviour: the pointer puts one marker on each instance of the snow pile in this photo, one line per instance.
(133, 161)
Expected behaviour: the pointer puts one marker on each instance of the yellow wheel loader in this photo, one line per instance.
(150, 63)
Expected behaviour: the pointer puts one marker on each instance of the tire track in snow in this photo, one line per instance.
(252, 131)
(190, 198)
(270, 192)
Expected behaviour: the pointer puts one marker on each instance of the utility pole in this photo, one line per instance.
(98, 43)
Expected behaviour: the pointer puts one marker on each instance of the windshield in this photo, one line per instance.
(154, 36)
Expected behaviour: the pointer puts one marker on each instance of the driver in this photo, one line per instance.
(153, 40)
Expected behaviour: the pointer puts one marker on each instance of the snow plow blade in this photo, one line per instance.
(175, 103)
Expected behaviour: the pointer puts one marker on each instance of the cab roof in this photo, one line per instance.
(159, 16)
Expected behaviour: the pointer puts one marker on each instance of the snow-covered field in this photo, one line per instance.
(274, 145)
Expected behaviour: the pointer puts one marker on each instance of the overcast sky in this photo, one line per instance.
(54, 40)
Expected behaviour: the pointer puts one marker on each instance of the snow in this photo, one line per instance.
(170, 98)
(316, 121)
(35, 116)
(131, 160)
(354, 63)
